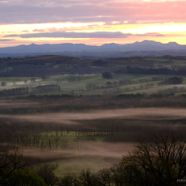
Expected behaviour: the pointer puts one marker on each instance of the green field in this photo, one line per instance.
(79, 85)
(83, 76)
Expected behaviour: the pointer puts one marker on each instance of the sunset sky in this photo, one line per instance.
(92, 22)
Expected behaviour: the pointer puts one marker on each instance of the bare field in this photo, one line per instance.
(133, 113)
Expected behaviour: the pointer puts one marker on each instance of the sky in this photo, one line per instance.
(91, 22)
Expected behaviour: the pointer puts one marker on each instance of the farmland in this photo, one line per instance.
(95, 84)
(72, 115)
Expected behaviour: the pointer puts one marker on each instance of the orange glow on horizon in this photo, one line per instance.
(164, 33)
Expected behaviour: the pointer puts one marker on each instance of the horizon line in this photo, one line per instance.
(93, 45)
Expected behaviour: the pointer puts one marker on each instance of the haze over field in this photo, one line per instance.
(106, 150)
(74, 117)
(93, 156)
(90, 154)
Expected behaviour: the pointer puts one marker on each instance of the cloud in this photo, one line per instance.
(65, 3)
(83, 35)
(151, 35)
(73, 35)
(4, 40)
(160, 35)
(26, 31)
(38, 30)
(24, 11)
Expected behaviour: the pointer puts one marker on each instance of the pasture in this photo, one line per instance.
(95, 84)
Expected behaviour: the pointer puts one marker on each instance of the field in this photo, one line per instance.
(89, 139)
(53, 75)
(97, 85)
(84, 120)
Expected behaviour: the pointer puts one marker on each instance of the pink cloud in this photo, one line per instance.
(155, 11)
(106, 11)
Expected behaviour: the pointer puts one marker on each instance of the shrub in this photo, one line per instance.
(107, 75)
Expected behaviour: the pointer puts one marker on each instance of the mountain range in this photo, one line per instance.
(112, 47)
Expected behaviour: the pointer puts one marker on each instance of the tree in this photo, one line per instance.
(69, 180)
(160, 161)
(62, 73)
(32, 79)
(87, 178)
(3, 84)
(46, 172)
(105, 177)
(107, 75)
(10, 160)
(21, 177)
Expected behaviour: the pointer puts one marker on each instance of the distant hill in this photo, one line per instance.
(76, 49)
(49, 65)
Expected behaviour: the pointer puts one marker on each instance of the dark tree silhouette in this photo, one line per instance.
(160, 161)
(107, 75)
(10, 160)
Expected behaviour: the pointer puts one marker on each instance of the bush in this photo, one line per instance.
(22, 177)
(107, 75)
(3, 84)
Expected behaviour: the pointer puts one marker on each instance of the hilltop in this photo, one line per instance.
(144, 48)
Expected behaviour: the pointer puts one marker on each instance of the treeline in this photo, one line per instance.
(110, 84)
(57, 140)
(172, 81)
(55, 65)
(45, 66)
(151, 71)
(30, 90)
(116, 85)
(45, 89)
(52, 136)
(15, 91)
(148, 83)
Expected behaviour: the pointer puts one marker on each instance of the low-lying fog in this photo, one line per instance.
(102, 149)
(110, 150)
(132, 113)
